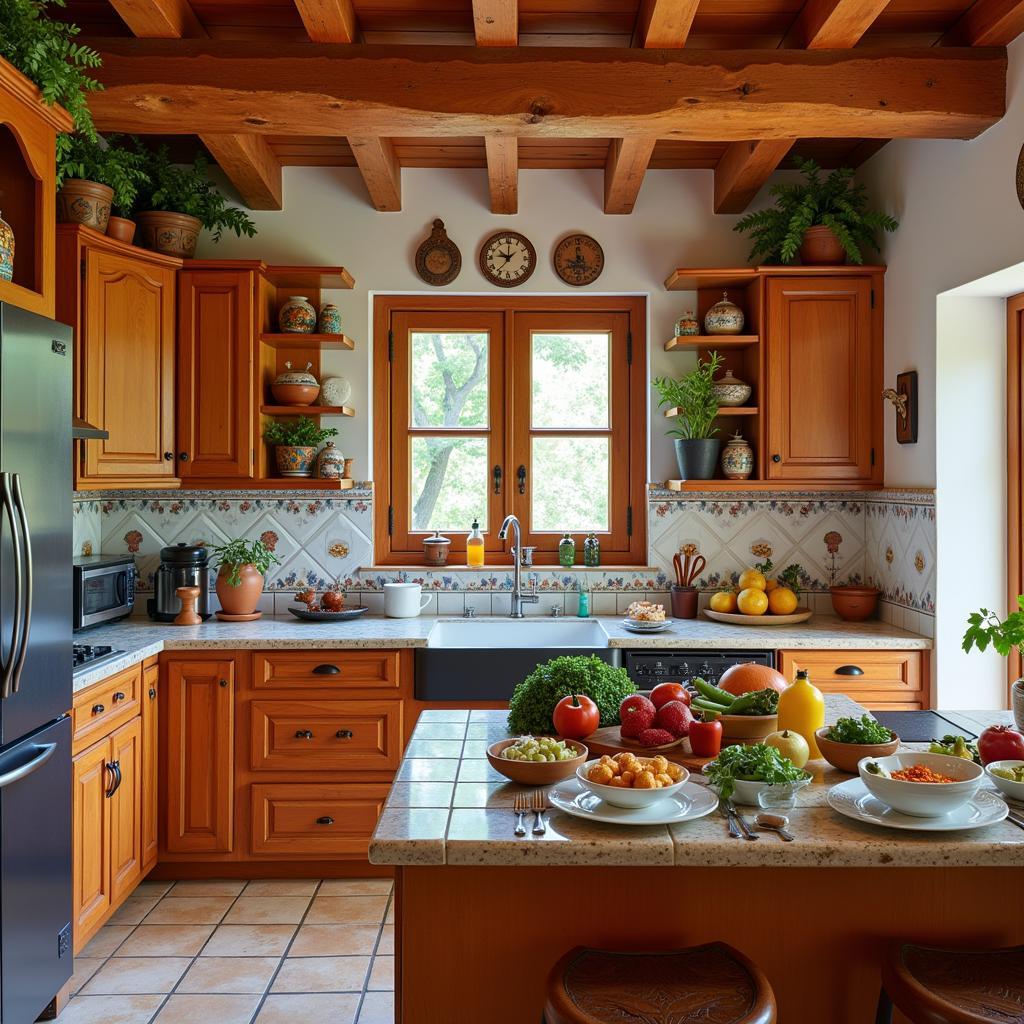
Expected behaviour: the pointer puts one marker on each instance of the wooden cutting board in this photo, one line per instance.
(608, 741)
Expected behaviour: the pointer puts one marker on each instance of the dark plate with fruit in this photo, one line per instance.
(302, 612)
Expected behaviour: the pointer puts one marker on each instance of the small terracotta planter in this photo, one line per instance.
(242, 599)
(121, 228)
(820, 247)
(294, 460)
(80, 201)
(173, 234)
(854, 603)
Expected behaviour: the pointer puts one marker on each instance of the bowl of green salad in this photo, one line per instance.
(758, 775)
(850, 740)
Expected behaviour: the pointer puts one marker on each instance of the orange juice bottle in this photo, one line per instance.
(475, 546)
(802, 709)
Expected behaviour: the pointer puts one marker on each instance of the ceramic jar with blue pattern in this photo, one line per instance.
(329, 320)
(737, 458)
(297, 316)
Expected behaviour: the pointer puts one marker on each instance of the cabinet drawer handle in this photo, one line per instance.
(849, 670)
(304, 734)
(98, 709)
(168, 456)
(152, 692)
(344, 734)
(776, 458)
(325, 820)
(114, 767)
(327, 670)
(183, 456)
(118, 696)
(223, 682)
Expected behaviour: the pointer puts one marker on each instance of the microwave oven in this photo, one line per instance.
(104, 589)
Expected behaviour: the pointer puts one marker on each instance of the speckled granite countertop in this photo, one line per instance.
(140, 639)
(448, 806)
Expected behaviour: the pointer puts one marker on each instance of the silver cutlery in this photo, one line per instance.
(539, 804)
(520, 806)
(775, 823)
(748, 832)
(734, 829)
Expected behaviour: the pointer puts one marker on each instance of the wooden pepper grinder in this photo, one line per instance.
(188, 616)
(347, 470)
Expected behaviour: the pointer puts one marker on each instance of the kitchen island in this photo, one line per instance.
(814, 914)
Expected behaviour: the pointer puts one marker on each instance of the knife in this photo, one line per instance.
(748, 833)
(726, 812)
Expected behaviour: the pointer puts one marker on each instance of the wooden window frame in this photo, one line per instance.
(629, 445)
(1014, 470)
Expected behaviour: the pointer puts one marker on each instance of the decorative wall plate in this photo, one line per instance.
(438, 260)
(579, 259)
(507, 259)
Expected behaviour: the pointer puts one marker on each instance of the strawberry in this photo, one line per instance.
(675, 717)
(655, 737)
(636, 714)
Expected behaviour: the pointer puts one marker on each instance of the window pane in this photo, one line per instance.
(449, 379)
(449, 482)
(570, 379)
(570, 484)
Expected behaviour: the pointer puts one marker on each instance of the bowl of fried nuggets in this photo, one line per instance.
(626, 780)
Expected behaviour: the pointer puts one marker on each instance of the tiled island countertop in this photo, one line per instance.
(449, 807)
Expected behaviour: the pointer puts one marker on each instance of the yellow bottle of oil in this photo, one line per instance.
(802, 709)
(475, 546)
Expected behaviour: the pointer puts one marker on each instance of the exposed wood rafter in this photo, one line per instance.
(624, 172)
(987, 23)
(665, 24)
(379, 167)
(250, 165)
(833, 24)
(743, 169)
(328, 21)
(160, 19)
(503, 172)
(496, 22)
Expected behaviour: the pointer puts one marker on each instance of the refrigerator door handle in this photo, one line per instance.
(7, 673)
(26, 540)
(43, 754)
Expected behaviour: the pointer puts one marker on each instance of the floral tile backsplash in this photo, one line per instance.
(886, 538)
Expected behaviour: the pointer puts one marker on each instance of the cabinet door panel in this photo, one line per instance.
(200, 755)
(91, 841)
(125, 808)
(150, 804)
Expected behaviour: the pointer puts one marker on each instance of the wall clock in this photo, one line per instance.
(507, 259)
(579, 259)
(438, 260)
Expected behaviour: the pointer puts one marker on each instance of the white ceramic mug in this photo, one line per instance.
(404, 600)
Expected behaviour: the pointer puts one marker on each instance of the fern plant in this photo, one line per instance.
(44, 50)
(298, 433)
(693, 394)
(835, 202)
(107, 162)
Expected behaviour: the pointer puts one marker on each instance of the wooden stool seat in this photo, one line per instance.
(954, 986)
(714, 984)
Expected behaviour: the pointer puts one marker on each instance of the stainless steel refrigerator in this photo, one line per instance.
(35, 662)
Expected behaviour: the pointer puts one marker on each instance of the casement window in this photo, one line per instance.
(532, 405)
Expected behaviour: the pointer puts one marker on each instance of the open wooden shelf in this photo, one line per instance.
(316, 278)
(724, 410)
(689, 280)
(692, 342)
(307, 410)
(273, 483)
(322, 341)
(762, 485)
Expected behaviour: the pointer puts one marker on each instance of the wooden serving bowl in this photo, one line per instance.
(845, 756)
(535, 773)
(747, 728)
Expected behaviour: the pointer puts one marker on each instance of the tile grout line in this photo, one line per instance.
(373, 955)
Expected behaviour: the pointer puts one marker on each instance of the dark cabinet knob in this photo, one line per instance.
(168, 456)
(98, 709)
(118, 696)
(776, 458)
(223, 682)
(849, 670)
(183, 456)
(325, 820)
(152, 692)
(327, 670)
(344, 734)
(304, 734)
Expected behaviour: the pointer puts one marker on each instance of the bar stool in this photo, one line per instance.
(952, 986)
(713, 982)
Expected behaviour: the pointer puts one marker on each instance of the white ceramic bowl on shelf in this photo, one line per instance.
(922, 799)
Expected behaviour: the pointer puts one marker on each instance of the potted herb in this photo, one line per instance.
(985, 629)
(825, 221)
(92, 176)
(179, 201)
(693, 398)
(296, 442)
(240, 577)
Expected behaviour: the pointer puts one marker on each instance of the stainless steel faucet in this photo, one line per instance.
(518, 597)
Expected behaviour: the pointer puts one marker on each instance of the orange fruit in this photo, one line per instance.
(770, 585)
(752, 579)
(723, 601)
(782, 601)
(752, 601)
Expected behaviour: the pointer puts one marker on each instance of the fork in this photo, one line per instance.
(539, 804)
(520, 806)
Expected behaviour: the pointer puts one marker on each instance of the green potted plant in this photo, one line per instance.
(693, 398)
(824, 220)
(296, 442)
(985, 629)
(94, 175)
(241, 571)
(180, 200)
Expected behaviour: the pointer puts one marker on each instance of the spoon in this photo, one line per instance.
(775, 823)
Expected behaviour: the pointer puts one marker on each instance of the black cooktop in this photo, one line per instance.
(91, 655)
(921, 726)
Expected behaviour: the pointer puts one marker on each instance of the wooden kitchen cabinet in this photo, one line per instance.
(880, 680)
(125, 806)
(91, 842)
(150, 763)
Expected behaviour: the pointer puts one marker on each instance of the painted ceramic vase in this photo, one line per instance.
(295, 387)
(6, 251)
(724, 317)
(330, 463)
(730, 390)
(294, 460)
(687, 325)
(335, 391)
(297, 316)
(737, 458)
(329, 319)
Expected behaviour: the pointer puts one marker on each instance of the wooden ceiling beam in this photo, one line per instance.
(503, 172)
(496, 22)
(160, 19)
(665, 24)
(328, 21)
(743, 169)
(624, 172)
(251, 167)
(987, 23)
(188, 86)
(833, 24)
(380, 169)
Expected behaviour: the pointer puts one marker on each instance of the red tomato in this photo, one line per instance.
(1000, 743)
(706, 738)
(576, 717)
(664, 692)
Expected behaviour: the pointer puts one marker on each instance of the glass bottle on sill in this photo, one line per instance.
(583, 611)
(591, 551)
(566, 551)
(475, 547)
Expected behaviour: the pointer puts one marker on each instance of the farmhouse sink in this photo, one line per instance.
(503, 633)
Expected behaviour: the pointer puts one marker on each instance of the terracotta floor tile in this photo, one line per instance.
(85, 968)
(322, 974)
(207, 887)
(355, 887)
(134, 909)
(152, 888)
(237, 974)
(334, 940)
(282, 887)
(107, 939)
(267, 910)
(190, 910)
(128, 975)
(249, 940)
(378, 1008)
(194, 1009)
(387, 939)
(390, 919)
(288, 1009)
(382, 977)
(165, 940)
(347, 910)
(110, 1009)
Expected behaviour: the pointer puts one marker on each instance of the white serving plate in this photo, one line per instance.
(736, 619)
(688, 803)
(852, 799)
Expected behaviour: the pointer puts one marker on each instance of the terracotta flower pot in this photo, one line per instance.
(294, 460)
(121, 228)
(173, 234)
(854, 603)
(80, 201)
(820, 247)
(241, 599)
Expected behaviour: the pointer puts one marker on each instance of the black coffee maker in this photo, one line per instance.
(181, 565)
